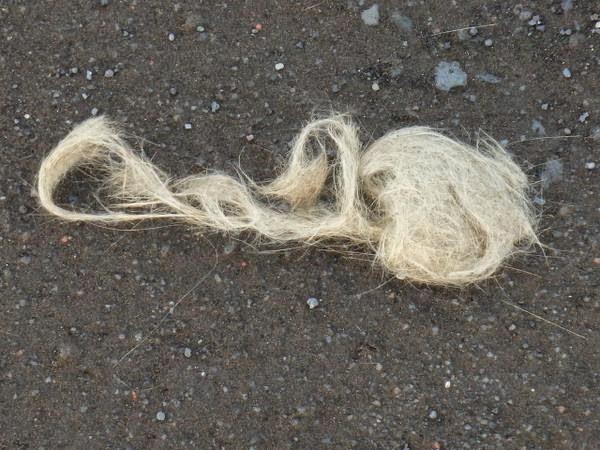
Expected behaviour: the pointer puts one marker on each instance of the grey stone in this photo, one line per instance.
(25, 260)
(312, 303)
(448, 75)
(370, 16)
(537, 127)
(487, 77)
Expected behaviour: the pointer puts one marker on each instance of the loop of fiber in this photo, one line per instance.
(429, 208)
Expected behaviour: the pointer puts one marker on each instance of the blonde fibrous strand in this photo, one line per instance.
(429, 208)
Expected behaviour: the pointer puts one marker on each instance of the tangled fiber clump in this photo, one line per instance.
(433, 210)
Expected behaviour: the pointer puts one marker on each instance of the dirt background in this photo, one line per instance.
(89, 356)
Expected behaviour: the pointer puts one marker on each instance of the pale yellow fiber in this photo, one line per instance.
(431, 209)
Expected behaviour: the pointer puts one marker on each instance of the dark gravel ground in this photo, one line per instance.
(89, 358)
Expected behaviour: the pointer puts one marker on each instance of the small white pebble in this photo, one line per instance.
(512, 327)
(279, 66)
(488, 42)
(566, 72)
(94, 111)
(171, 37)
(590, 165)
(27, 116)
(160, 416)
(375, 86)
(187, 126)
(447, 385)
(378, 367)
(582, 118)
(187, 352)
(88, 75)
(312, 303)
(433, 414)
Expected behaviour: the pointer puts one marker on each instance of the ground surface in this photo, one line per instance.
(243, 362)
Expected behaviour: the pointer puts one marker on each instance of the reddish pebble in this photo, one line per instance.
(65, 239)
(258, 26)
(243, 264)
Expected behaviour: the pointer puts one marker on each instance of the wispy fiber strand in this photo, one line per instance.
(431, 209)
